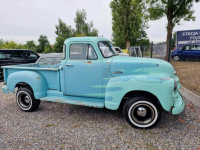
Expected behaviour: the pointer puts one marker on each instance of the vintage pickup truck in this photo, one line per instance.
(90, 76)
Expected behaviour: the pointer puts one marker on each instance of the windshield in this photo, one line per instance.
(107, 49)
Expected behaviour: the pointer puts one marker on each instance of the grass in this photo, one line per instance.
(189, 74)
(147, 53)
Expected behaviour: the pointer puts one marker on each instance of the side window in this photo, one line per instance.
(17, 54)
(5, 55)
(82, 52)
(195, 47)
(117, 50)
(78, 52)
(30, 55)
(187, 47)
(91, 53)
(33, 55)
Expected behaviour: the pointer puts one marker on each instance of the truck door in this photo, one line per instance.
(83, 72)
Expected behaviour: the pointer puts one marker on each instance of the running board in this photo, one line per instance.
(90, 102)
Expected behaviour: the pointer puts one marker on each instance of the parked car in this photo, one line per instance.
(120, 52)
(191, 52)
(50, 58)
(16, 56)
(89, 77)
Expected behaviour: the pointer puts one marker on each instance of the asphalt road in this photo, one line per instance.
(63, 126)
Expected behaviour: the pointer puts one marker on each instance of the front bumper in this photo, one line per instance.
(179, 104)
(5, 89)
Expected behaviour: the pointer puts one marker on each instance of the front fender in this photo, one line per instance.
(37, 82)
(160, 86)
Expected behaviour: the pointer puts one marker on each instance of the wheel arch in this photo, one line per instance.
(34, 80)
(131, 94)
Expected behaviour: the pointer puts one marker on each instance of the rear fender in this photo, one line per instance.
(37, 82)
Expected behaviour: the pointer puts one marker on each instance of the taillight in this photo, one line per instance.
(175, 48)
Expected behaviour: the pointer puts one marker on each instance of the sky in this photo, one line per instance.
(25, 20)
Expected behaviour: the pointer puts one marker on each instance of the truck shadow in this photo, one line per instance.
(84, 114)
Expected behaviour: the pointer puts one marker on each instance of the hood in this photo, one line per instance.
(140, 66)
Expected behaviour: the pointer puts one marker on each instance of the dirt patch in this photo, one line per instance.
(189, 74)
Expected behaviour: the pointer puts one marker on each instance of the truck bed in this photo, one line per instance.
(48, 70)
(36, 66)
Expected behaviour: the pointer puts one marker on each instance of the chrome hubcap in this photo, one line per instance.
(141, 111)
(24, 100)
(27, 99)
(143, 114)
(176, 58)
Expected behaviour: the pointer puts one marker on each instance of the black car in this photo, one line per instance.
(16, 56)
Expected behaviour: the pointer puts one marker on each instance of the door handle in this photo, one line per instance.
(69, 65)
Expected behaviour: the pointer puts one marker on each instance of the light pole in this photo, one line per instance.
(152, 45)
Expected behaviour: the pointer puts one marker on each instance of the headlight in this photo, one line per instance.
(175, 72)
(175, 85)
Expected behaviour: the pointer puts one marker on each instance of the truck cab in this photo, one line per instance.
(92, 74)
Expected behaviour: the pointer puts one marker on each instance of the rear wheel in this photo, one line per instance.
(176, 58)
(26, 100)
(142, 112)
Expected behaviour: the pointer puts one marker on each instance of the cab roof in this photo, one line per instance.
(81, 39)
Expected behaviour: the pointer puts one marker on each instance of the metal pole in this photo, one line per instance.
(142, 48)
(151, 48)
(169, 50)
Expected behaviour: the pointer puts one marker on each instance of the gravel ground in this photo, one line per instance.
(63, 126)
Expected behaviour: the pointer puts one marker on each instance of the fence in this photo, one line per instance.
(154, 50)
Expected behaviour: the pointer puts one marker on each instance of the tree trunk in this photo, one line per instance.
(128, 44)
(169, 31)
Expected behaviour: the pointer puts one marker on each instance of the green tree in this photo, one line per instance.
(58, 46)
(145, 41)
(48, 49)
(1, 43)
(82, 27)
(11, 45)
(174, 10)
(63, 32)
(30, 45)
(80, 21)
(43, 41)
(128, 22)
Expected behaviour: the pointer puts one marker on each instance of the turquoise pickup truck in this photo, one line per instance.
(92, 74)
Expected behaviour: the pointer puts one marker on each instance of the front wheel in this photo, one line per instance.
(26, 100)
(142, 112)
(176, 58)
